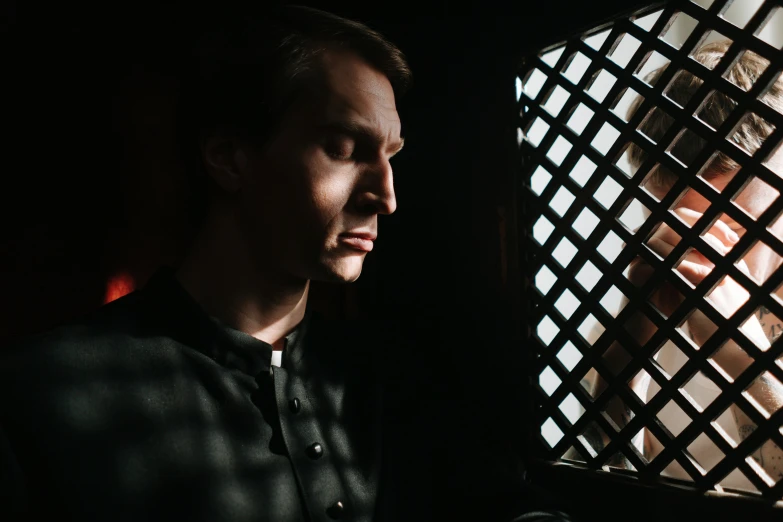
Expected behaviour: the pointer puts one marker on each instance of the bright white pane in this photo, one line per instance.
(534, 83)
(542, 229)
(605, 138)
(588, 276)
(591, 329)
(740, 12)
(647, 21)
(772, 33)
(569, 356)
(539, 180)
(610, 247)
(564, 252)
(613, 301)
(567, 303)
(582, 171)
(547, 330)
(549, 381)
(634, 215)
(621, 109)
(607, 192)
(580, 118)
(703, 3)
(561, 202)
(559, 150)
(601, 85)
(571, 408)
(576, 69)
(625, 50)
(545, 278)
(537, 132)
(585, 223)
(597, 40)
(654, 62)
(551, 433)
(556, 100)
(680, 30)
(550, 58)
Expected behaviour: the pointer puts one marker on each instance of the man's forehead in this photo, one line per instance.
(374, 118)
(338, 112)
(349, 81)
(346, 92)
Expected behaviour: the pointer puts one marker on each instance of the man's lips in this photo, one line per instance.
(358, 241)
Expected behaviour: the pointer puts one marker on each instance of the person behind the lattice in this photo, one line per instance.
(759, 262)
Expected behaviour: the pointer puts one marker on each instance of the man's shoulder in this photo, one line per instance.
(102, 338)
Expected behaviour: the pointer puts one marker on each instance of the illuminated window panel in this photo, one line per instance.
(653, 162)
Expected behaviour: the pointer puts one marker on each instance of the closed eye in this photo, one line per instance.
(367, 145)
(340, 148)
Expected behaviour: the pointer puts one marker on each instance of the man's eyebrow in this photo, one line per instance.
(356, 129)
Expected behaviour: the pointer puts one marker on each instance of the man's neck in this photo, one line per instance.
(223, 276)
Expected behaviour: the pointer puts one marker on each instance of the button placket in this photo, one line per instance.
(315, 471)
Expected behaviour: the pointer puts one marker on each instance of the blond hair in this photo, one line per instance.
(749, 136)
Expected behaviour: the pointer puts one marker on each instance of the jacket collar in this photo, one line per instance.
(172, 306)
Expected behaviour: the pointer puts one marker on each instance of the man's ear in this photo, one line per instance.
(225, 161)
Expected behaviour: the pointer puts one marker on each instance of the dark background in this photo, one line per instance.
(92, 184)
(91, 188)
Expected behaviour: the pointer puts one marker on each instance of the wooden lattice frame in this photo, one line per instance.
(536, 205)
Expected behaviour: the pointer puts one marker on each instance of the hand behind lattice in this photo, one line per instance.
(727, 297)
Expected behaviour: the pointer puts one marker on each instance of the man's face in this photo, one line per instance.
(310, 198)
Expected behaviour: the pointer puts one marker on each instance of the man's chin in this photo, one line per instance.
(346, 276)
(341, 272)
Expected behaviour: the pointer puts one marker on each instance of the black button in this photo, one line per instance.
(335, 511)
(295, 405)
(314, 451)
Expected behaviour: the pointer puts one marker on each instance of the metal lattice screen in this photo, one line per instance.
(654, 241)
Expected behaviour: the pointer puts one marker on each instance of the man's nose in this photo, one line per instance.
(377, 194)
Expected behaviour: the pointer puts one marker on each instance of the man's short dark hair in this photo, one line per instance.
(246, 70)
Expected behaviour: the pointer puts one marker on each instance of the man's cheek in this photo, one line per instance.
(329, 200)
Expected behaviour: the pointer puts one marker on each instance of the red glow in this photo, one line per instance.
(119, 285)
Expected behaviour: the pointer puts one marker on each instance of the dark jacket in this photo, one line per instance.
(151, 410)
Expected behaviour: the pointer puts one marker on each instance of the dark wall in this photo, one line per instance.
(92, 187)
